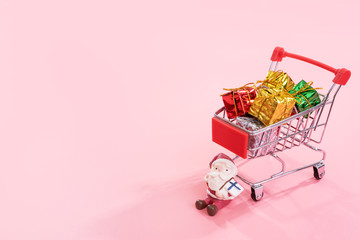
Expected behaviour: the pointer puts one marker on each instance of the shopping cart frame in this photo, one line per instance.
(293, 131)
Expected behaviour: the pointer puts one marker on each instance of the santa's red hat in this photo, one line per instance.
(221, 157)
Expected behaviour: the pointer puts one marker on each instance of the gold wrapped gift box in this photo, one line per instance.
(278, 80)
(272, 105)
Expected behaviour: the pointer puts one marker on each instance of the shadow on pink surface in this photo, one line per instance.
(167, 211)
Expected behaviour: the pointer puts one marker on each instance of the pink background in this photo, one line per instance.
(105, 128)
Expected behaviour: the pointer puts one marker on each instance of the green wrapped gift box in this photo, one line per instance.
(305, 95)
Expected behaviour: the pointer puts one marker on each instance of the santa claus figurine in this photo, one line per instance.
(222, 187)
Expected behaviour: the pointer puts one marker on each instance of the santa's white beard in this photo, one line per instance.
(215, 182)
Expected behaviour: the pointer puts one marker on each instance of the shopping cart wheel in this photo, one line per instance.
(257, 193)
(319, 171)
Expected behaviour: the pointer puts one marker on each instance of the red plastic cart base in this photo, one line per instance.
(230, 137)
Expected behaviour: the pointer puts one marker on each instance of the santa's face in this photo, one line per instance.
(220, 173)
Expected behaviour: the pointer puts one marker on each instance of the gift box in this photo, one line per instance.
(278, 80)
(306, 96)
(272, 105)
(233, 187)
(260, 139)
(238, 101)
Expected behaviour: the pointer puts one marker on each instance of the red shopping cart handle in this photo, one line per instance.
(342, 75)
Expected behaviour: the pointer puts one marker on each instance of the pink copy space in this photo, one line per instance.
(106, 106)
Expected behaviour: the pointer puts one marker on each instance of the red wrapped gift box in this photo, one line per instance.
(238, 101)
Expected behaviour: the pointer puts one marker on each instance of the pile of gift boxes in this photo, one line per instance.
(257, 105)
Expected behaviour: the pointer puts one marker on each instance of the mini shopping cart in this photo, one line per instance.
(293, 131)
